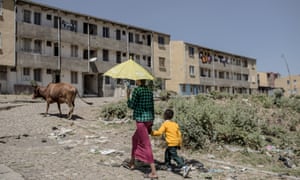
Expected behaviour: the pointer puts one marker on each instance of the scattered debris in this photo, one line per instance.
(106, 152)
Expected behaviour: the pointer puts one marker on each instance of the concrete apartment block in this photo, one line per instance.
(46, 44)
(196, 69)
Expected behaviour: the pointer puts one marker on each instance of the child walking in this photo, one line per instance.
(173, 138)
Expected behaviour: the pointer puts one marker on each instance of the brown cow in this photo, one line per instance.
(59, 93)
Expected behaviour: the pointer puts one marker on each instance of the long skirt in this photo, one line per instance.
(141, 145)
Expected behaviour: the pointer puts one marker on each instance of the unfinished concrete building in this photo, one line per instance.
(266, 82)
(196, 69)
(46, 44)
(290, 84)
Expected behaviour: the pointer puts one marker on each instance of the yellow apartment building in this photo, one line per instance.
(196, 69)
(290, 84)
(46, 44)
(266, 82)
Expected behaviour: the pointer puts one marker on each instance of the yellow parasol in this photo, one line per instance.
(129, 70)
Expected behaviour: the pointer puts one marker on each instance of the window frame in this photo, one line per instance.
(27, 44)
(37, 75)
(191, 51)
(105, 32)
(118, 34)
(37, 46)
(74, 77)
(161, 40)
(192, 70)
(37, 18)
(26, 71)
(74, 50)
(130, 37)
(105, 55)
(27, 17)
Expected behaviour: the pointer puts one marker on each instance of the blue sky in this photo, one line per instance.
(260, 29)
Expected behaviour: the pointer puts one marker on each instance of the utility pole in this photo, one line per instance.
(288, 69)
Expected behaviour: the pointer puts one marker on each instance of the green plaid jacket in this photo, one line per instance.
(142, 104)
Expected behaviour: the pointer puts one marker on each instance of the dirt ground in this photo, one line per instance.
(86, 147)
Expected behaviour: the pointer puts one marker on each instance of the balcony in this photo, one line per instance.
(27, 59)
(223, 82)
(96, 41)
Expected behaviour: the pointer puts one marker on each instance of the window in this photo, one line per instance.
(49, 71)
(238, 76)
(37, 75)
(137, 39)
(74, 77)
(288, 82)
(105, 32)
(49, 17)
(56, 49)
(26, 71)
(57, 21)
(37, 18)
(161, 62)
(245, 77)
(191, 70)
(107, 80)
(119, 81)
(37, 46)
(85, 54)
(74, 51)
(105, 55)
(91, 28)
(222, 75)
(149, 61)
(149, 38)
(3, 73)
(118, 55)
(161, 40)
(130, 37)
(183, 88)
(27, 45)
(162, 65)
(191, 51)
(27, 16)
(73, 26)
(118, 34)
(48, 43)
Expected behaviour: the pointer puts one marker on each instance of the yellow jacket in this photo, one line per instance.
(172, 133)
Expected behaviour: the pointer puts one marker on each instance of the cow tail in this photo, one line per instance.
(89, 103)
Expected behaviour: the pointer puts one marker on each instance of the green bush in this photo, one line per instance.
(114, 110)
(250, 121)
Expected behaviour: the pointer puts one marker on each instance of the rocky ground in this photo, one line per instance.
(52, 147)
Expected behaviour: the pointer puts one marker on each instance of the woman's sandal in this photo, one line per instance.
(148, 176)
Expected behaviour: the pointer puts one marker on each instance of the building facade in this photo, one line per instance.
(46, 44)
(266, 82)
(196, 69)
(290, 84)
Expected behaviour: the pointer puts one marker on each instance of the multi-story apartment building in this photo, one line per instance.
(266, 82)
(46, 44)
(196, 69)
(290, 84)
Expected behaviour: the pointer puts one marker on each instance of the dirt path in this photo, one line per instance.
(39, 147)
